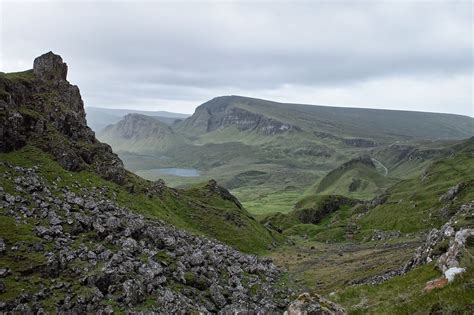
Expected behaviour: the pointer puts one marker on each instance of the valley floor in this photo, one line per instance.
(338, 271)
(325, 267)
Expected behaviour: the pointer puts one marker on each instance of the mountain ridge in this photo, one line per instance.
(458, 126)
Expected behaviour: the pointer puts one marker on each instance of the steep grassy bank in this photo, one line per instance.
(199, 209)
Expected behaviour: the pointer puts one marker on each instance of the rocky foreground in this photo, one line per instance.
(102, 257)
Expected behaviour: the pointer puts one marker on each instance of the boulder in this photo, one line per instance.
(307, 304)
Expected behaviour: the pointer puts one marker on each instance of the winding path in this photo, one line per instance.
(380, 163)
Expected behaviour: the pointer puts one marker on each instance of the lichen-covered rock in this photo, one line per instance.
(450, 259)
(426, 252)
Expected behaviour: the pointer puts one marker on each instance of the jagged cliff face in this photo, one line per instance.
(223, 112)
(41, 107)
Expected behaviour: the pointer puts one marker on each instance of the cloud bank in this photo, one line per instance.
(173, 56)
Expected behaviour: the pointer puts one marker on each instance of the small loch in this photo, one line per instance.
(181, 172)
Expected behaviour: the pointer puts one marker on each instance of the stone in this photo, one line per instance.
(217, 296)
(3, 288)
(196, 259)
(4, 272)
(452, 192)
(133, 292)
(50, 67)
(130, 245)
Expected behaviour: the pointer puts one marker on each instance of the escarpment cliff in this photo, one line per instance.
(41, 107)
(223, 112)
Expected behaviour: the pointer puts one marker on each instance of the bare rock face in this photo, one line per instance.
(50, 67)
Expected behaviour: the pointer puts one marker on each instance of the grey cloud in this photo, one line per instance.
(124, 52)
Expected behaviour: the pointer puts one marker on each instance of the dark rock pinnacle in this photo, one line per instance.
(50, 67)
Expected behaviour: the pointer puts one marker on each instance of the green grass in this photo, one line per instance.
(322, 217)
(18, 76)
(195, 209)
(405, 295)
(414, 205)
(317, 266)
(354, 179)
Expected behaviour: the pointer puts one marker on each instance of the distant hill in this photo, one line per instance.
(292, 147)
(269, 117)
(140, 133)
(358, 178)
(99, 118)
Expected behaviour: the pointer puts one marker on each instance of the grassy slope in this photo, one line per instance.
(328, 267)
(317, 217)
(405, 295)
(150, 135)
(356, 122)
(356, 180)
(195, 210)
(414, 204)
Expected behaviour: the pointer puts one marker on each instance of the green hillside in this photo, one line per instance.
(349, 251)
(140, 133)
(411, 205)
(292, 146)
(99, 118)
(340, 121)
(358, 178)
(416, 203)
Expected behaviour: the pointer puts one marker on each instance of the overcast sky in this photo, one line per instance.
(157, 55)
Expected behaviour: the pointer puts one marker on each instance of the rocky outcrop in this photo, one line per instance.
(314, 215)
(50, 67)
(452, 192)
(40, 107)
(99, 254)
(214, 188)
(246, 120)
(439, 242)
